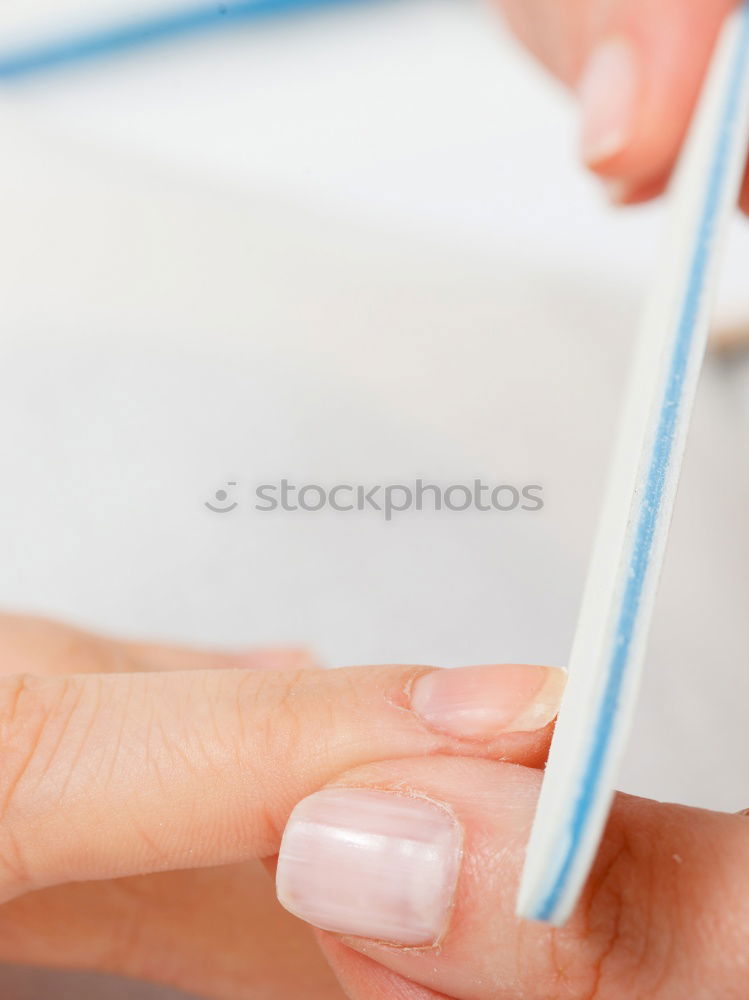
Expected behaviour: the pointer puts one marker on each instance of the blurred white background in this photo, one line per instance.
(354, 245)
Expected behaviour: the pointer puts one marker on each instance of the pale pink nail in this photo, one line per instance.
(609, 91)
(482, 702)
(617, 191)
(370, 863)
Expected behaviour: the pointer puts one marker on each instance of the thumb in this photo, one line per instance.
(639, 85)
(427, 856)
(119, 774)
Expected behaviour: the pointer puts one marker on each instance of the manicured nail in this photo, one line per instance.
(617, 191)
(482, 702)
(609, 90)
(370, 863)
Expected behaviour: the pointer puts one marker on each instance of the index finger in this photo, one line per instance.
(119, 774)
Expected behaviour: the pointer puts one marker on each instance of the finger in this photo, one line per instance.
(744, 196)
(558, 34)
(637, 67)
(157, 656)
(365, 979)
(111, 775)
(36, 645)
(426, 854)
(161, 928)
(639, 85)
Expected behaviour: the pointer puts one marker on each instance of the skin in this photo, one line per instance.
(119, 856)
(143, 793)
(143, 785)
(161, 926)
(673, 39)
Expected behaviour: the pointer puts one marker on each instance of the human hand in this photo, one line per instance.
(415, 864)
(637, 66)
(110, 774)
(141, 783)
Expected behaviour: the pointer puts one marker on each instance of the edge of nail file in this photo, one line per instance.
(85, 43)
(607, 654)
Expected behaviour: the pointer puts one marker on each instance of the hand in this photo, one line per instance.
(637, 66)
(140, 784)
(415, 865)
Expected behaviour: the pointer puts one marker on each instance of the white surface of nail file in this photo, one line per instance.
(608, 651)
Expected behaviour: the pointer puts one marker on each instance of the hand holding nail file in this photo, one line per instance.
(608, 651)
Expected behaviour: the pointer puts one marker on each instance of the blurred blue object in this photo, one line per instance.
(111, 39)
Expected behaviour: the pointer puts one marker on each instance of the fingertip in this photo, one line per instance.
(484, 702)
(638, 90)
(371, 863)
(661, 871)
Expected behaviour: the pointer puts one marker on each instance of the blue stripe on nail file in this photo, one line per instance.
(108, 40)
(607, 654)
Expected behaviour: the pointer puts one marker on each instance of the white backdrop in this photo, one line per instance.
(352, 246)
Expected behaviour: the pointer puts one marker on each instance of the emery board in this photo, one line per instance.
(608, 650)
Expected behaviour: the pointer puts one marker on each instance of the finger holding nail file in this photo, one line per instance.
(618, 601)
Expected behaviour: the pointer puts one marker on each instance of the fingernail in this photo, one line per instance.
(370, 863)
(608, 90)
(617, 191)
(482, 702)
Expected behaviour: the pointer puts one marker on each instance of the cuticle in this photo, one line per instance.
(412, 678)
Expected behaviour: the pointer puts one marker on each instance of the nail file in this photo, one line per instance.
(52, 35)
(608, 650)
